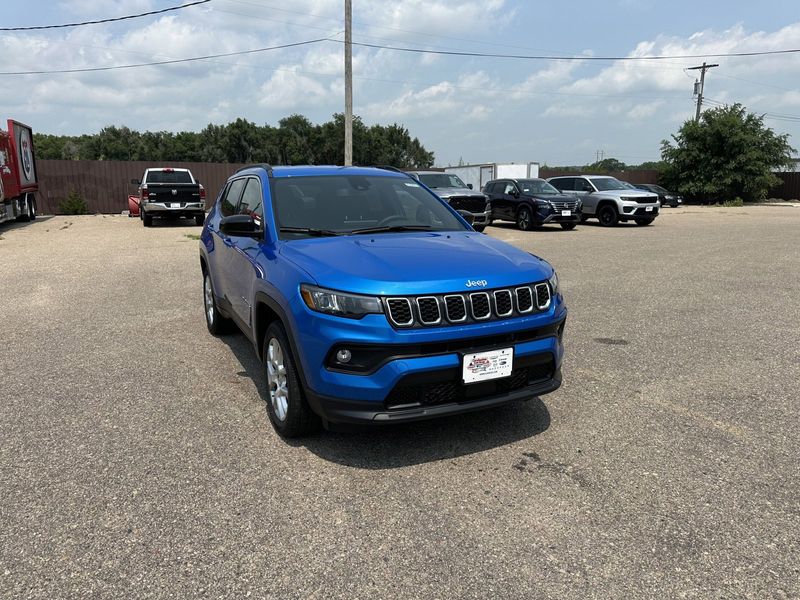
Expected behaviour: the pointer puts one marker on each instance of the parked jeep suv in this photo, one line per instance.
(370, 300)
(457, 194)
(531, 203)
(609, 199)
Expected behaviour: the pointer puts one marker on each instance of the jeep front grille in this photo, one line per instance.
(469, 307)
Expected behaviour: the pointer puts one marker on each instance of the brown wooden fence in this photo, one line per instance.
(105, 184)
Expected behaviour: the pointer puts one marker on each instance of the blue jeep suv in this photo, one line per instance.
(369, 299)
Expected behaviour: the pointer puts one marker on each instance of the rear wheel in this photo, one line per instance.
(287, 407)
(568, 226)
(644, 222)
(147, 219)
(524, 219)
(216, 323)
(608, 215)
(479, 228)
(199, 219)
(32, 210)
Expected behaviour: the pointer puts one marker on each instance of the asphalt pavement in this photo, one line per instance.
(137, 459)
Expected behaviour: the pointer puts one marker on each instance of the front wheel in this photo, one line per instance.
(644, 222)
(568, 226)
(608, 215)
(287, 407)
(524, 219)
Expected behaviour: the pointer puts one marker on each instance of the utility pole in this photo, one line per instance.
(703, 68)
(348, 82)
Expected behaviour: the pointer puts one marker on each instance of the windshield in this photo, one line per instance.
(604, 184)
(441, 180)
(536, 186)
(629, 186)
(169, 177)
(657, 189)
(343, 204)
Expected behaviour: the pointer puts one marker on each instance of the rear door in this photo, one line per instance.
(222, 261)
(244, 269)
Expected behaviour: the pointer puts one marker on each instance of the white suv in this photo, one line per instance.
(609, 199)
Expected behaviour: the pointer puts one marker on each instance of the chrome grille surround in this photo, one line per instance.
(467, 307)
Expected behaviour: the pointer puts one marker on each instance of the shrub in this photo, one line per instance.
(735, 202)
(73, 205)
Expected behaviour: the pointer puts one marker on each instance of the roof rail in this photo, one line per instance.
(265, 166)
(392, 168)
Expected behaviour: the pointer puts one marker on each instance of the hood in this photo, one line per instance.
(447, 192)
(628, 194)
(548, 197)
(414, 263)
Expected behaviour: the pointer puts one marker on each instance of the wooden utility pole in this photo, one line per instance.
(703, 68)
(348, 82)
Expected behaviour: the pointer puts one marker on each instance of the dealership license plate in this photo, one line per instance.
(566, 213)
(648, 209)
(174, 204)
(483, 366)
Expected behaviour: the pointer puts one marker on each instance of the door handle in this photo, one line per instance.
(228, 242)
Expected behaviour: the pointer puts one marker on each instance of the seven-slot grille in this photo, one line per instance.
(475, 307)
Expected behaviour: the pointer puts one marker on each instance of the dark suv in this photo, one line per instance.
(370, 300)
(531, 203)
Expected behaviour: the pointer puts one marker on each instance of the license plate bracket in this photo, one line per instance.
(488, 365)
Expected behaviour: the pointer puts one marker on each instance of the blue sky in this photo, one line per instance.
(462, 108)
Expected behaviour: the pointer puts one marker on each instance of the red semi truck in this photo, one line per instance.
(18, 177)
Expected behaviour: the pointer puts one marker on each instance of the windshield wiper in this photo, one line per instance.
(310, 231)
(391, 228)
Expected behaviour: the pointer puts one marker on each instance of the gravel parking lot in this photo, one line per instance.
(137, 460)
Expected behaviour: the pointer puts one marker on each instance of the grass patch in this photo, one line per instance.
(735, 202)
(192, 236)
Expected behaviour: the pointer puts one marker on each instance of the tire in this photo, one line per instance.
(286, 404)
(479, 228)
(568, 226)
(199, 219)
(147, 219)
(32, 210)
(644, 222)
(608, 215)
(524, 218)
(217, 324)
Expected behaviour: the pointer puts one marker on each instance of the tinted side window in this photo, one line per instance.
(252, 201)
(227, 205)
(563, 184)
(509, 188)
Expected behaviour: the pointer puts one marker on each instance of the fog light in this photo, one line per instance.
(343, 356)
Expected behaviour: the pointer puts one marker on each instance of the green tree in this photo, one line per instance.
(728, 153)
(607, 165)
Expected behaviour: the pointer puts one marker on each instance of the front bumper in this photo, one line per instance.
(482, 218)
(552, 215)
(639, 211)
(339, 396)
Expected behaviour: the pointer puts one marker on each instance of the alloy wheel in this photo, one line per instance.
(208, 297)
(276, 379)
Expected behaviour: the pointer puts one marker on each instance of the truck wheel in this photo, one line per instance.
(644, 222)
(524, 219)
(568, 226)
(147, 219)
(479, 228)
(216, 323)
(287, 407)
(608, 215)
(199, 219)
(32, 210)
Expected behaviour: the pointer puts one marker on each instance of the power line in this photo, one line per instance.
(580, 58)
(165, 62)
(79, 24)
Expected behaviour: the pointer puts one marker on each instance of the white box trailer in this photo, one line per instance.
(477, 175)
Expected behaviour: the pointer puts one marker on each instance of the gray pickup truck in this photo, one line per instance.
(170, 193)
(609, 200)
(455, 192)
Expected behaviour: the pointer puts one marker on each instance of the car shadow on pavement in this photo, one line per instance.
(402, 445)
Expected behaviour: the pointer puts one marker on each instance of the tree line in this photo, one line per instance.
(296, 140)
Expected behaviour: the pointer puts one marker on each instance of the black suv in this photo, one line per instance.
(666, 197)
(531, 202)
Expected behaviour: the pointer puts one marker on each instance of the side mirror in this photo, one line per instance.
(135, 181)
(240, 226)
(467, 216)
(469, 185)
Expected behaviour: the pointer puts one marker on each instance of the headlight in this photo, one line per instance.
(553, 281)
(340, 304)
